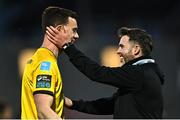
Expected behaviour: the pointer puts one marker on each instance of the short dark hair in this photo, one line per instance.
(140, 36)
(56, 16)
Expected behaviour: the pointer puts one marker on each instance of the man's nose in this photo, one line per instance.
(76, 36)
(118, 51)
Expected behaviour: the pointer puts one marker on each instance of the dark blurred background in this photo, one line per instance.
(98, 21)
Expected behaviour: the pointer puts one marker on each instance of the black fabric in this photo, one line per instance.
(139, 93)
(43, 92)
(95, 107)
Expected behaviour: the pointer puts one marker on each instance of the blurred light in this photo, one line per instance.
(24, 56)
(110, 58)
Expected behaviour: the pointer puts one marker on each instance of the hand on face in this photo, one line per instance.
(58, 37)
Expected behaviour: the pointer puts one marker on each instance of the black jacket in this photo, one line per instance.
(139, 93)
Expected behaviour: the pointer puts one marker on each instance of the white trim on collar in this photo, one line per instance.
(144, 61)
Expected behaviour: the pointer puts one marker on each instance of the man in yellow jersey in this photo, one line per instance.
(42, 93)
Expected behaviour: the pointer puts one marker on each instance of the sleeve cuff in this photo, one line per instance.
(43, 92)
(75, 105)
(71, 51)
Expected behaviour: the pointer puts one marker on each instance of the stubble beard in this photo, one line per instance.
(128, 57)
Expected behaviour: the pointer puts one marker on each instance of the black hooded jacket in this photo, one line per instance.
(139, 84)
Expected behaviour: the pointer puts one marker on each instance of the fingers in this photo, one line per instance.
(60, 37)
(68, 102)
(49, 34)
(50, 37)
(50, 31)
(54, 29)
(52, 40)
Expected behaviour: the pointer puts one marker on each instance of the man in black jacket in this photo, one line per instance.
(139, 80)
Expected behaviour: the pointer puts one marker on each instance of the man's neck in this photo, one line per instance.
(49, 45)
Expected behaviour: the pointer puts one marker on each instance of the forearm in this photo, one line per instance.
(43, 105)
(98, 107)
(121, 77)
(88, 67)
(47, 113)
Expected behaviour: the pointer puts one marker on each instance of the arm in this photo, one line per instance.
(103, 106)
(122, 77)
(44, 82)
(43, 105)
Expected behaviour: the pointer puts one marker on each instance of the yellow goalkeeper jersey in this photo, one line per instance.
(41, 75)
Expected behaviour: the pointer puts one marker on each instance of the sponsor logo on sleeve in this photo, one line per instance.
(43, 81)
(45, 66)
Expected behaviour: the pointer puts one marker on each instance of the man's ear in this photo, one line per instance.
(62, 28)
(136, 49)
(59, 27)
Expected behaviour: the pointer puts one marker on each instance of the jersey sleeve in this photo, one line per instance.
(44, 78)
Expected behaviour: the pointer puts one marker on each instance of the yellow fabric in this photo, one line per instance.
(41, 75)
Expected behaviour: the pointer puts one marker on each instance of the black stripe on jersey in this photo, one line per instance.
(43, 92)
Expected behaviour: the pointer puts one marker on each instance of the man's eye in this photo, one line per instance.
(75, 30)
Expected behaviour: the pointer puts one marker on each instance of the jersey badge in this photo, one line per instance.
(45, 66)
(43, 81)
